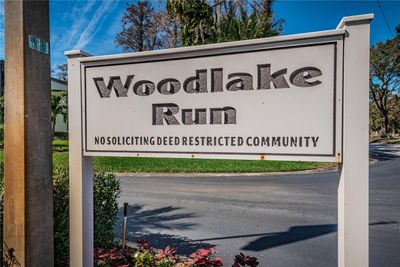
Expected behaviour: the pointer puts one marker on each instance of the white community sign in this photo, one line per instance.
(248, 101)
(299, 97)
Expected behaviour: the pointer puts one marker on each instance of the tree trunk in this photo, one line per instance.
(384, 124)
(218, 11)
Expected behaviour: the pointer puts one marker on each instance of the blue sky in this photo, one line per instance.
(92, 25)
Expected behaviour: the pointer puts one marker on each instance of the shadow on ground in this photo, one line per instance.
(142, 223)
(383, 152)
(292, 235)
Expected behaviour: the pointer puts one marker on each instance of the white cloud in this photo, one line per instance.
(65, 37)
(80, 8)
(95, 25)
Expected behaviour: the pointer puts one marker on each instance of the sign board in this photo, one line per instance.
(257, 101)
(297, 97)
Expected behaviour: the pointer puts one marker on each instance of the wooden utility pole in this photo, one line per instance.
(28, 197)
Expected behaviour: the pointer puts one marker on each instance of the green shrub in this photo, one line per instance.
(61, 215)
(106, 192)
(60, 145)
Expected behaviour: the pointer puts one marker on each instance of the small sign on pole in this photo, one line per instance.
(39, 45)
(299, 97)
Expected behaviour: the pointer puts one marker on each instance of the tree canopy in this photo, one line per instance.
(385, 81)
(195, 22)
(61, 72)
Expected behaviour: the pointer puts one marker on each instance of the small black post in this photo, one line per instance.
(124, 226)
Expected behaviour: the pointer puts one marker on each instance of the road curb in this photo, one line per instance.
(183, 174)
(147, 174)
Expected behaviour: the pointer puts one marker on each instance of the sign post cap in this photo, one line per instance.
(76, 53)
(365, 18)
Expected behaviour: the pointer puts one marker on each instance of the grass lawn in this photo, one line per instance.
(169, 165)
(119, 164)
(60, 145)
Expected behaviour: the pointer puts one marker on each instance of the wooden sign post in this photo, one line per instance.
(300, 97)
(353, 191)
(28, 193)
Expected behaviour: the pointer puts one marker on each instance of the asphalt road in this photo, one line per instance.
(283, 220)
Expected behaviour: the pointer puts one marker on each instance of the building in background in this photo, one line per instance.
(57, 87)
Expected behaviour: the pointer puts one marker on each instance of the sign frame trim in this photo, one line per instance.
(275, 40)
(334, 156)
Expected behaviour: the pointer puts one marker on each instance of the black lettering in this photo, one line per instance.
(233, 141)
(244, 81)
(248, 141)
(307, 138)
(168, 86)
(229, 115)
(144, 88)
(285, 141)
(203, 140)
(299, 77)
(165, 112)
(220, 139)
(276, 141)
(264, 141)
(293, 141)
(265, 77)
(315, 140)
(200, 116)
(196, 84)
(209, 140)
(217, 80)
(240, 141)
(114, 82)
